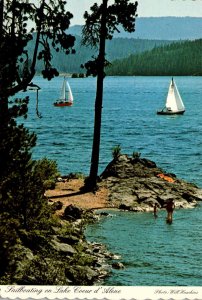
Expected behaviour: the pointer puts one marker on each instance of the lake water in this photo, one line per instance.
(129, 120)
(154, 253)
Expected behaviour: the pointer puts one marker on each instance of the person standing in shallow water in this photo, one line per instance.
(155, 210)
(170, 206)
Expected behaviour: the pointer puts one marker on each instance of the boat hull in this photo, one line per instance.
(62, 104)
(161, 112)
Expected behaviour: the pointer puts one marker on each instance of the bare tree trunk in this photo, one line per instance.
(92, 181)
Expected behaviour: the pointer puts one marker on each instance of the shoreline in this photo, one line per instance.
(68, 192)
(131, 184)
(128, 183)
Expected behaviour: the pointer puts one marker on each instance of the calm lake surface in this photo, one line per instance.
(154, 253)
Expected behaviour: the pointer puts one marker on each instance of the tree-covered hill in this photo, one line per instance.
(161, 28)
(181, 58)
(115, 49)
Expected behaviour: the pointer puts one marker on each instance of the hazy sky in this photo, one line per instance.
(146, 8)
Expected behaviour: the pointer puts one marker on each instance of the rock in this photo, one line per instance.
(136, 184)
(124, 207)
(185, 204)
(189, 197)
(78, 274)
(118, 265)
(55, 255)
(63, 247)
(148, 163)
(150, 202)
(60, 179)
(57, 205)
(105, 214)
(72, 212)
(71, 239)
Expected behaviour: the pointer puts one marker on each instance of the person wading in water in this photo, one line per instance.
(155, 210)
(170, 206)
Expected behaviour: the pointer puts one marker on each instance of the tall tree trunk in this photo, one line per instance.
(92, 181)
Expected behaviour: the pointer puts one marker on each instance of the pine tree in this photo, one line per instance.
(100, 26)
(21, 189)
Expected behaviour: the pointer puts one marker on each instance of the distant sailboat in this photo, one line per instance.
(174, 104)
(66, 98)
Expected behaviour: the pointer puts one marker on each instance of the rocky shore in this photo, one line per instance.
(59, 256)
(62, 255)
(136, 184)
(128, 183)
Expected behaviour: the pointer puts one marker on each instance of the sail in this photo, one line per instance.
(69, 93)
(174, 101)
(63, 92)
(66, 93)
(178, 98)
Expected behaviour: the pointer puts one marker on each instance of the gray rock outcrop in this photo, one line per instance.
(136, 184)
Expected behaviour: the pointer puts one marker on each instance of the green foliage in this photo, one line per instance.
(82, 259)
(101, 25)
(44, 272)
(77, 175)
(49, 184)
(136, 155)
(50, 21)
(47, 170)
(180, 58)
(122, 12)
(8, 239)
(116, 151)
(118, 48)
(21, 180)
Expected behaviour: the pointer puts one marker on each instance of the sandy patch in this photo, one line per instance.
(69, 193)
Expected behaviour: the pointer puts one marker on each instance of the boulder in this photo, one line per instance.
(70, 239)
(117, 265)
(57, 205)
(72, 212)
(77, 274)
(63, 247)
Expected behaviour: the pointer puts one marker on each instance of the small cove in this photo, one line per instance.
(154, 253)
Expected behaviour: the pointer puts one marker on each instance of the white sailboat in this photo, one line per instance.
(174, 103)
(66, 97)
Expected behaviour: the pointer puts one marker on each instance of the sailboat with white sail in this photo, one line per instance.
(174, 104)
(66, 97)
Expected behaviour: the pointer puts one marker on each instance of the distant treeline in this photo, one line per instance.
(115, 49)
(179, 58)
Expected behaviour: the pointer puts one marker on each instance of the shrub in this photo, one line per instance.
(116, 151)
(136, 154)
(49, 184)
(47, 170)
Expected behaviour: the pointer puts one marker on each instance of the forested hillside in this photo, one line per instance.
(181, 58)
(161, 28)
(115, 49)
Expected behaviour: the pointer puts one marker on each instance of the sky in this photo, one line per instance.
(146, 8)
